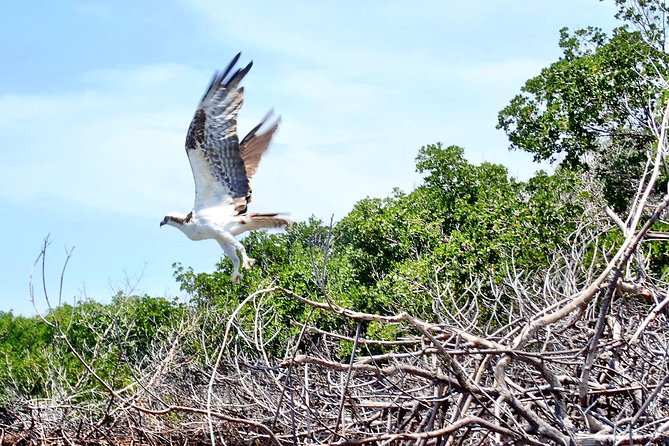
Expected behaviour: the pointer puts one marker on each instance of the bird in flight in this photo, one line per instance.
(222, 169)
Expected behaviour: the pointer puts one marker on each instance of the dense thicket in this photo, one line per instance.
(113, 337)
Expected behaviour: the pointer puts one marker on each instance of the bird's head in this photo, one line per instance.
(175, 219)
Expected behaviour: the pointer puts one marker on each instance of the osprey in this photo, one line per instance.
(222, 169)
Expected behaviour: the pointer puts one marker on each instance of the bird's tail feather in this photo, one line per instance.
(267, 221)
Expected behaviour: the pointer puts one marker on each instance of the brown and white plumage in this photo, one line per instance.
(223, 167)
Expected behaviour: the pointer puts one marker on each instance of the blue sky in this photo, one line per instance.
(96, 97)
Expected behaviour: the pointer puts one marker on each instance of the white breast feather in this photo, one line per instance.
(209, 192)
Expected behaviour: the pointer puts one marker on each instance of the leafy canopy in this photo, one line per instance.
(593, 107)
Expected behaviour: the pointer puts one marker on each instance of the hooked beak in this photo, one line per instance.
(162, 223)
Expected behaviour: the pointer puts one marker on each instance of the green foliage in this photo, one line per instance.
(649, 17)
(111, 338)
(591, 107)
(601, 87)
(388, 255)
(463, 219)
(25, 344)
(299, 259)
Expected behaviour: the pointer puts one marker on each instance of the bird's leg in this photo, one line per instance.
(247, 262)
(230, 251)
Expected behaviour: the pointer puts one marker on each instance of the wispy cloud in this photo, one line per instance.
(358, 101)
(354, 116)
(115, 145)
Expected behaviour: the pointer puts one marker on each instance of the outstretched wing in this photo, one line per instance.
(212, 144)
(256, 143)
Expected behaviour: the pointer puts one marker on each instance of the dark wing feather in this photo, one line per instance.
(212, 144)
(255, 144)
